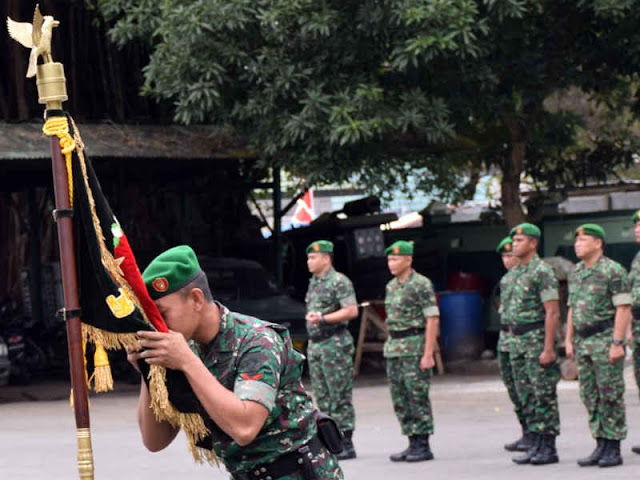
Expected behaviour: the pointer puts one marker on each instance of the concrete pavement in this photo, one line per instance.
(472, 414)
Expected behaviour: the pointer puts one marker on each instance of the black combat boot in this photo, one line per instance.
(636, 449)
(595, 456)
(546, 452)
(402, 456)
(611, 456)
(529, 454)
(348, 451)
(421, 450)
(522, 444)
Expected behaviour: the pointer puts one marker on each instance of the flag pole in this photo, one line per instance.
(52, 92)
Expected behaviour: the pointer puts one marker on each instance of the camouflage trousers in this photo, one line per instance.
(506, 372)
(410, 394)
(536, 384)
(636, 350)
(601, 387)
(331, 373)
(325, 467)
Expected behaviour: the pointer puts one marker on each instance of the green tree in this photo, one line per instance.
(380, 89)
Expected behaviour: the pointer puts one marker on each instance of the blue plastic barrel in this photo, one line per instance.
(461, 324)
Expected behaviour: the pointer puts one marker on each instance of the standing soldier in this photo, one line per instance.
(412, 318)
(509, 260)
(598, 318)
(634, 280)
(331, 303)
(534, 311)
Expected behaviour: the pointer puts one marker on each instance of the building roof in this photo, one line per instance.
(25, 141)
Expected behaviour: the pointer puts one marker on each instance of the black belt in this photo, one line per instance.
(590, 330)
(409, 332)
(526, 328)
(292, 462)
(327, 334)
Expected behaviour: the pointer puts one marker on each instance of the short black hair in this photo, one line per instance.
(200, 281)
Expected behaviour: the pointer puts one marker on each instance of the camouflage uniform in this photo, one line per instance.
(407, 304)
(256, 361)
(331, 358)
(534, 284)
(505, 340)
(634, 281)
(594, 294)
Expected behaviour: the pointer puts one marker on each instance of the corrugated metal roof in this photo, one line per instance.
(21, 141)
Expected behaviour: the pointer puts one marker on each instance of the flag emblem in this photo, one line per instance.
(160, 284)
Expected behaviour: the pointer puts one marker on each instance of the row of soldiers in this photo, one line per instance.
(598, 326)
(412, 319)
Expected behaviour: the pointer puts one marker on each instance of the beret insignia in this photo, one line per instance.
(396, 249)
(519, 231)
(160, 284)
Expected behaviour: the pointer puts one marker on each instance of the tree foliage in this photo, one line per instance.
(381, 89)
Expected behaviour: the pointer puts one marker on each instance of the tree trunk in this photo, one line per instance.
(512, 168)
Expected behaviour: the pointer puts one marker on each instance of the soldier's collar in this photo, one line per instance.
(325, 276)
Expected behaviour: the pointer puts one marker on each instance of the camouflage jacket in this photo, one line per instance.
(256, 361)
(326, 294)
(506, 284)
(533, 284)
(634, 279)
(596, 291)
(408, 305)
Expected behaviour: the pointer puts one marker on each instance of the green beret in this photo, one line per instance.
(591, 229)
(636, 216)
(505, 246)
(526, 229)
(320, 246)
(170, 271)
(400, 247)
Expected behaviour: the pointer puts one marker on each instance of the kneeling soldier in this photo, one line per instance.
(599, 314)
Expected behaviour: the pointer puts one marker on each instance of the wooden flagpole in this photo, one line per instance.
(52, 92)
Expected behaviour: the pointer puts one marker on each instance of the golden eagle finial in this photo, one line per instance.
(36, 36)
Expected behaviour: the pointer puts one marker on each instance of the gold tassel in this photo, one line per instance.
(102, 379)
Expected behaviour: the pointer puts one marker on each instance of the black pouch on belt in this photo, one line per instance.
(635, 311)
(329, 433)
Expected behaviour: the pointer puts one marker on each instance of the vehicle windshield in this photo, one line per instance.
(240, 282)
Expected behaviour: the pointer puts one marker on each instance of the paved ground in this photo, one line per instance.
(472, 414)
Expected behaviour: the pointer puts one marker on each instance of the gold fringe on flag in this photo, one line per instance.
(102, 378)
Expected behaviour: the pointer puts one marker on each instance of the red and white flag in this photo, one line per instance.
(304, 209)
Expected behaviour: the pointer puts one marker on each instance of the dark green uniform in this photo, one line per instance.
(256, 361)
(505, 341)
(407, 305)
(330, 350)
(534, 284)
(594, 294)
(634, 281)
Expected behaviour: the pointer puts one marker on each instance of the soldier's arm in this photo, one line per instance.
(431, 335)
(622, 321)
(348, 305)
(551, 320)
(156, 435)
(568, 341)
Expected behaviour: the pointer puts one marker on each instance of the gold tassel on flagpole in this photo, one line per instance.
(102, 379)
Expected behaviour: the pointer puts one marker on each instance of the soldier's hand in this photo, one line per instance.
(427, 362)
(568, 348)
(313, 317)
(616, 353)
(170, 349)
(547, 357)
(132, 357)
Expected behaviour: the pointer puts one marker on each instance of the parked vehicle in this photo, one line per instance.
(244, 286)
(5, 364)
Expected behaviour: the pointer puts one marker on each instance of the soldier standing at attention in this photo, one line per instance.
(509, 260)
(634, 280)
(534, 311)
(331, 303)
(598, 318)
(412, 318)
